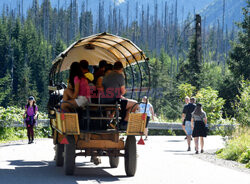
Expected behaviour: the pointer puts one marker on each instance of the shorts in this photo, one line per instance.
(82, 101)
(188, 127)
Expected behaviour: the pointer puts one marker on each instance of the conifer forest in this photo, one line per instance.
(32, 36)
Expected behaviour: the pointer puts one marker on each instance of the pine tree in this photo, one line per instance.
(239, 56)
(191, 68)
(4, 50)
(59, 47)
(5, 88)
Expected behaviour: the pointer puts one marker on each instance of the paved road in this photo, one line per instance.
(162, 160)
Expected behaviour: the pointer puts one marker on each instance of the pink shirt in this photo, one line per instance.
(84, 86)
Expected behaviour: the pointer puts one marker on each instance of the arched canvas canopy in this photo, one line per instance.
(101, 46)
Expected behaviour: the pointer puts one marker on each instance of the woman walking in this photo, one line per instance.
(30, 115)
(145, 106)
(198, 124)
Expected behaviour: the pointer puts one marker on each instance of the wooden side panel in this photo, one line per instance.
(69, 124)
(100, 144)
(59, 122)
(111, 136)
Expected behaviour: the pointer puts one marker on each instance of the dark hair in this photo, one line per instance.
(75, 70)
(198, 110)
(118, 65)
(192, 100)
(84, 64)
(102, 63)
(33, 105)
(108, 67)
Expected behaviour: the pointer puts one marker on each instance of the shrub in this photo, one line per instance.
(186, 89)
(248, 165)
(14, 114)
(245, 157)
(242, 104)
(237, 148)
(211, 103)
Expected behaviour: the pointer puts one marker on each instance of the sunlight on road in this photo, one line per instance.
(160, 160)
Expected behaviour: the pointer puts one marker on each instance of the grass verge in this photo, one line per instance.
(238, 147)
(13, 134)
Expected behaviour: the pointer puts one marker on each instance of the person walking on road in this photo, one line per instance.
(186, 117)
(187, 100)
(30, 116)
(199, 123)
(145, 106)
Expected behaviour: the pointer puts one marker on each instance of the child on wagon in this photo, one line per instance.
(30, 116)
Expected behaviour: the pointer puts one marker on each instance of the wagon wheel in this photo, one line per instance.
(130, 155)
(114, 160)
(69, 156)
(59, 154)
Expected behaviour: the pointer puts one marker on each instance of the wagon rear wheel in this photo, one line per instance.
(69, 156)
(59, 154)
(130, 155)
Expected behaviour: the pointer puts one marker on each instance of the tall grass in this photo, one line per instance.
(238, 147)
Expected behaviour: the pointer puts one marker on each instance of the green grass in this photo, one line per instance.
(15, 114)
(237, 148)
(14, 134)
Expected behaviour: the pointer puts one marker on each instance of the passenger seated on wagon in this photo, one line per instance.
(78, 92)
(100, 71)
(114, 89)
(108, 69)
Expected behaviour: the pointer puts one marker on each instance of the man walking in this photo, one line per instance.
(187, 100)
(186, 117)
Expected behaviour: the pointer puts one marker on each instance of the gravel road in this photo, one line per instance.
(162, 160)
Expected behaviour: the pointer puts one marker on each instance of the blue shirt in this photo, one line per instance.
(142, 108)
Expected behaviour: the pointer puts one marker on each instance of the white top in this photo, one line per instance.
(142, 108)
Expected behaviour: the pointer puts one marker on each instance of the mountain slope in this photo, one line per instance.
(211, 9)
(233, 12)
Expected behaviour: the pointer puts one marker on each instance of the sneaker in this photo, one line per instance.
(145, 139)
(189, 149)
(196, 152)
(202, 151)
(29, 142)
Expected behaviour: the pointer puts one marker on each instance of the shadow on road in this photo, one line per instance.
(6, 145)
(175, 140)
(173, 151)
(46, 172)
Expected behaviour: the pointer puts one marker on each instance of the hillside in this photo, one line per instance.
(211, 9)
(214, 12)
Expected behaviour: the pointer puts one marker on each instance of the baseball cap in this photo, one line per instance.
(31, 98)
